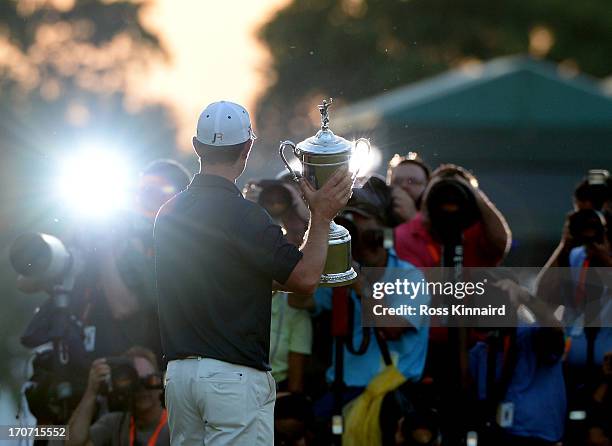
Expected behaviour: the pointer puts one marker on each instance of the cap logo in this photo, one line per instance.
(218, 136)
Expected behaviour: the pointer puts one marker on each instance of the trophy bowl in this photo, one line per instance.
(320, 156)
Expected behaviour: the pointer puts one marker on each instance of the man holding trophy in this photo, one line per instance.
(217, 256)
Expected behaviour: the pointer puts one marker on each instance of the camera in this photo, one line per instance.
(41, 257)
(274, 197)
(124, 382)
(375, 194)
(452, 208)
(52, 391)
(587, 226)
(595, 190)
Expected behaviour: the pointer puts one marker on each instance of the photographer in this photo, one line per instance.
(118, 305)
(406, 342)
(101, 302)
(524, 393)
(408, 177)
(594, 193)
(142, 420)
(159, 181)
(454, 211)
(588, 312)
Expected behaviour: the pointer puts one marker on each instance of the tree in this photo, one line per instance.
(351, 49)
(65, 68)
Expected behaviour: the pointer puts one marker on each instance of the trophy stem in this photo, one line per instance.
(338, 269)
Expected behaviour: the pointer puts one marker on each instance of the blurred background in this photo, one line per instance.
(518, 91)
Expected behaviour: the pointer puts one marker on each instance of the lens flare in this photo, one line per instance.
(364, 162)
(94, 183)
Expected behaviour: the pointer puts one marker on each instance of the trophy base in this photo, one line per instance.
(338, 279)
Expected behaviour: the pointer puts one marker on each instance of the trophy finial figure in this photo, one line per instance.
(324, 110)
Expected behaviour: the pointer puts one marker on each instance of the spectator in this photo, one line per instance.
(142, 422)
(408, 177)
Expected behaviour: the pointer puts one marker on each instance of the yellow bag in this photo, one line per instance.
(362, 426)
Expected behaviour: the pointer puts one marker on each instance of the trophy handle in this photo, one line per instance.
(367, 143)
(281, 150)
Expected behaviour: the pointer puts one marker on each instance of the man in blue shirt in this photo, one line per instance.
(408, 344)
(408, 349)
(532, 404)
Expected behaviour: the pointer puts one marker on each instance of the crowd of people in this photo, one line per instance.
(544, 383)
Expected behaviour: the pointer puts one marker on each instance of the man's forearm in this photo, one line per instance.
(496, 228)
(314, 249)
(81, 420)
(301, 301)
(122, 302)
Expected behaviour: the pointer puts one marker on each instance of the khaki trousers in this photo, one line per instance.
(215, 403)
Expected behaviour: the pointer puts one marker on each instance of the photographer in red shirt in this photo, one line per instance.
(453, 202)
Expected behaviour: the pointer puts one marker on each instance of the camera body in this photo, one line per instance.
(587, 226)
(124, 382)
(376, 195)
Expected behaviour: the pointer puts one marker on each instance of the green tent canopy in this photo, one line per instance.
(526, 128)
(511, 92)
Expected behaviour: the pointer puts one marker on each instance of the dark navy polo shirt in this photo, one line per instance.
(216, 256)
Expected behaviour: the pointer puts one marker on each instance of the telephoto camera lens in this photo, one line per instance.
(39, 256)
(452, 209)
(275, 198)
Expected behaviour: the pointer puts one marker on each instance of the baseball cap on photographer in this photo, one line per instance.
(224, 123)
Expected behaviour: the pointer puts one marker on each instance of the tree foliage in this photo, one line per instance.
(351, 49)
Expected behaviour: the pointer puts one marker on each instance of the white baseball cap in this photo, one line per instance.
(224, 123)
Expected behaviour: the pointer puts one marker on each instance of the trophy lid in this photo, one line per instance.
(325, 142)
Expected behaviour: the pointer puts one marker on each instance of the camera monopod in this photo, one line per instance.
(452, 261)
(340, 329)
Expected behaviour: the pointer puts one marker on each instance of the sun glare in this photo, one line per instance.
(94, 182)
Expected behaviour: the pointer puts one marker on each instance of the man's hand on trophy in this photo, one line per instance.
(326, 202)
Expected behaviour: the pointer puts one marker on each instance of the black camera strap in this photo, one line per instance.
(384, 348)
(365, 339)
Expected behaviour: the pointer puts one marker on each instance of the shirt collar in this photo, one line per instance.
(392, 260)
(206, 180)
